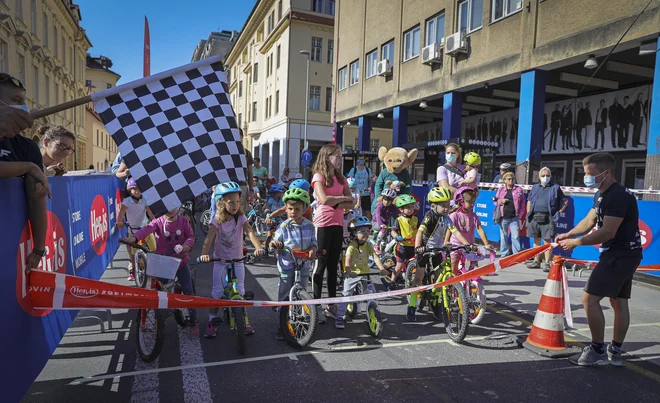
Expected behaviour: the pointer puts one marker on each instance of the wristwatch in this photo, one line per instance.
(38, 252)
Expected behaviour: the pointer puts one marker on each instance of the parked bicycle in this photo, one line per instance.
(149, 324)
(187, 211)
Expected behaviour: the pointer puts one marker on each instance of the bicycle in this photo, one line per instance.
(205, 221)
(374, 316)
(139, 260)
(150, 322)
(298, 322)
(256, 219)
(389, 262)
(474, 291)
(186, 210)
(448, 302)
(235, 316)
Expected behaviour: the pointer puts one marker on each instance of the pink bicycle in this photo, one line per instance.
(474, 290)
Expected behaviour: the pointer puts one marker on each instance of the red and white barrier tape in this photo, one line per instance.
(50, 290)
(571, 189)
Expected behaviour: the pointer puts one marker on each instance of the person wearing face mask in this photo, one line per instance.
(616, 218)
(20, 156)
(57, 143)
(451, 173)
(544, 204)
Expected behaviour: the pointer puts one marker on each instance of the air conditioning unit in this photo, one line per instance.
(432, 54)
(456, 43)
(384, 68)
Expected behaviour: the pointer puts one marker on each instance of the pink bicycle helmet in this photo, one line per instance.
(458, 196)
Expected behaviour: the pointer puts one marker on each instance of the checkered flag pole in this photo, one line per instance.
(176, 131)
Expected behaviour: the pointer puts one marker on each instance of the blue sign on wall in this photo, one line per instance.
(81, 240)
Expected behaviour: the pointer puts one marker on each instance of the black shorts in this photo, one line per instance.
(612, 276)
(365, 203)
(404, 253)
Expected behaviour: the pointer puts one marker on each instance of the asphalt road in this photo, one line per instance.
(411, 362)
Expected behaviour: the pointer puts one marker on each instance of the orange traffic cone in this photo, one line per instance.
(547, 335)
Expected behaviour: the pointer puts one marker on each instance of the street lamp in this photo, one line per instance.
(306, 53)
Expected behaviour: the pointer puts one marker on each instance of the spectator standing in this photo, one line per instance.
(451, 173)
(262, 177)
(510, 200)
(363, 181)
(504, 168)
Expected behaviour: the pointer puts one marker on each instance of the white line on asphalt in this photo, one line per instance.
(137, 371)
(196, 388)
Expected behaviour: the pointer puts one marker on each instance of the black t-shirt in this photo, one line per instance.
(20, 149)
(510, 207)
(617, 201)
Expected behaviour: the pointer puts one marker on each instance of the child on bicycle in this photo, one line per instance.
(358, 252)
(466, 222)
(472, 176)
(173, 233)
(385, 213)
(296, 184)
(229, 223)
(298, 234)
(138, 214)
(404, 230)
(355, 194)
(275, 202)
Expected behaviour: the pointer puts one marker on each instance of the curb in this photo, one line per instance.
(645, 279)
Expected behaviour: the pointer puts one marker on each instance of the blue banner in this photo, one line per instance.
(81, 240)
(578, 207)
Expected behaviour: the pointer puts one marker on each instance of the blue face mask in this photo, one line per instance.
(545, 180)
(451, 158)
(21, 107)
(590, 180)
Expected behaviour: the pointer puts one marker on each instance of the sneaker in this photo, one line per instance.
(279, 335)
(614, 357)
(534, 265)
(210, 330)
(589, 358)
(131, 276)
(339, 323)
(249, 329)
(410, 316)
(331, 311)
(546, 267)
(193, 331)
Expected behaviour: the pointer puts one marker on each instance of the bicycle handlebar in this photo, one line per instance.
(447, 249)
(217, 259)
(300, 254)
(134, 245)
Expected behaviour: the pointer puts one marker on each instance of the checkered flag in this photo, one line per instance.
(176, 132)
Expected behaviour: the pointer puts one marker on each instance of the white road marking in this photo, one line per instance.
(196, 388)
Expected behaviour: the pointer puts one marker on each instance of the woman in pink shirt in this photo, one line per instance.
(332, 195)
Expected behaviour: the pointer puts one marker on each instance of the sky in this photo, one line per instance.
(116, 29)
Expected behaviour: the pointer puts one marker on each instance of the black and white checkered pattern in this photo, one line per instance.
(177, 134)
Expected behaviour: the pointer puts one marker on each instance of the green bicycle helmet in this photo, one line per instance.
(296, 194)
(405, 200)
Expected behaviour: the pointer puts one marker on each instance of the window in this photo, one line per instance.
(45, 30)
(255, 72)
(411, 44)
(324, 6)
(267, 66)
(315, 98)
(328, 99)
(33, 15)
(277, 102)
(240, 88)
(271, 22)
(341, 78)
(372, 62)
(47, 85)
(504, 8)
(355, 72)
(4, 57)
(57, 94)
(317, 48)
(331, 51)
(21, 68)
(267, 108)
(435, 30)
(19, 9)
(55, 41)
(254, 111)
(63, 49)
(387, 52)
(35, 84)
(108, 86)
(279, 10)
(470, 15)
(374, 144)
(277, 64)
(240, 120)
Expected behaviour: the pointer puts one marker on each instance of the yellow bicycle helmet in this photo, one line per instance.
(439, 194)
(472, 158)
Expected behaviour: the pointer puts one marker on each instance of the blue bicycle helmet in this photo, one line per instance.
(359, 221)
(351, 183)
(277, 188)
(225, 188)
(300, 184)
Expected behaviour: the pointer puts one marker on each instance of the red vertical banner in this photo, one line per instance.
(147, 49)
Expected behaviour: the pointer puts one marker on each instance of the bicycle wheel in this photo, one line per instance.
(411, 270)
(298, 322)
(374, 319)
(353, 308)
(205, 221)
(140, 266)
(476, 302)
(239, 326)
(150, 333)
(454, 313)
(182, 317)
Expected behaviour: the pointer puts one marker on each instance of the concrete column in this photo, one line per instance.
(364, 133)
(293, 145)
(452, 104)
(652, 178)
(400, 126)
(530, 125)
(339, 135)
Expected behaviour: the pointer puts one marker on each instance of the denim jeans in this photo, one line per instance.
(507, 224)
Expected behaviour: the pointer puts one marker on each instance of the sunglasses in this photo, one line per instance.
(13, 80)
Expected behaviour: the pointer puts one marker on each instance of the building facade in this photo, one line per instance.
(218, 43)
(101, 150)
(43, 45)
(268, 75)
(524, 82)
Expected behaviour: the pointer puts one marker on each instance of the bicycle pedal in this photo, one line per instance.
(249, 295)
